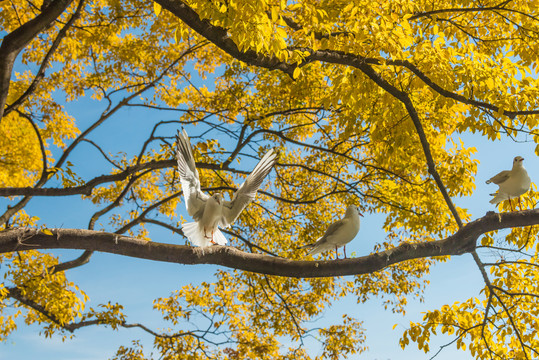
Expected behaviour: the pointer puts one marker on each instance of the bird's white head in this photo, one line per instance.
(517, 161)
(218, 197)
(353, 209)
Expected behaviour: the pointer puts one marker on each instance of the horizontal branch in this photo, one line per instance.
(87, 188)
(463, 241)
(497, 7)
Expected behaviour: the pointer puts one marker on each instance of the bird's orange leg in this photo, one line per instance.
(511, 204)
(344, 248)
(336, 252)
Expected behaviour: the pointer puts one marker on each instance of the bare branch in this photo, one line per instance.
(463, 241)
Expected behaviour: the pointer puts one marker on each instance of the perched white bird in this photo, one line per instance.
(210, 212)
(338, 234)
(512, 183)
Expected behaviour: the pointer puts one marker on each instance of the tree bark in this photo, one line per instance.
(463, 241)
(15, 41)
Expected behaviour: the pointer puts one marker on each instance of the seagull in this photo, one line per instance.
(338, 234)
(210, 212)
(512, 183)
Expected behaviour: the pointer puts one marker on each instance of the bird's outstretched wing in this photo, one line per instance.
(500, 178)
(195, 199)
(247, 191)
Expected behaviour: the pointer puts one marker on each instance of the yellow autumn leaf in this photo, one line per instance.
(157, 8)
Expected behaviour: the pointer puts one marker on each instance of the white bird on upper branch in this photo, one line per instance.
(338, 234)
(210, 212)
(512, 183)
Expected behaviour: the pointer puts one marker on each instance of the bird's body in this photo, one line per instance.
(338, 234)
(212, 212)
(512, 183)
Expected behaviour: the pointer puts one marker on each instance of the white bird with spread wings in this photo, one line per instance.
(210, 212)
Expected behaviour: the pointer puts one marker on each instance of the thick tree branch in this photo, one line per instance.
(46, 61)
(463, 241)
(14, 42)
(219, 36)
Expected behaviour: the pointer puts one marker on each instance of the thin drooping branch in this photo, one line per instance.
(44, 168)
(405, 99)
(513, 325)
(140, 218)
(492, 293)
(109, 160)
(499, 6)
(463, 241)
(299, 329)
(16, 293)
(83, 259)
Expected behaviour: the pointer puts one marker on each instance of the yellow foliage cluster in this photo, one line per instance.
(57, 301)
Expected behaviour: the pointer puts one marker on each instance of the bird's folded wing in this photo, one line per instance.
(500, 178)
(333, 228)
(195, 199)
(247, 191)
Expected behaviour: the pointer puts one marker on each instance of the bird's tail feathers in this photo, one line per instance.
(309, 245)
(498, 197)
(305, 246)
(219, 238)
(195, 235)
(197, 238)
(316, 247)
